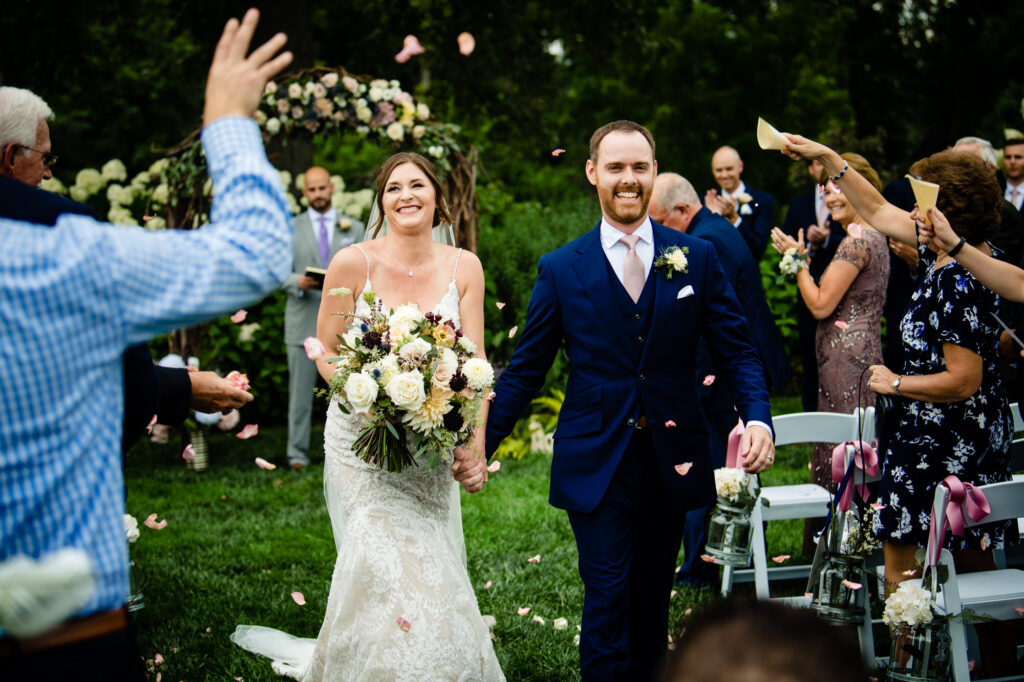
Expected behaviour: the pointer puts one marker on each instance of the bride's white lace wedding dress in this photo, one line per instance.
(400, 559)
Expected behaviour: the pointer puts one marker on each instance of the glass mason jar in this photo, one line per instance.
(837, 600)
(730, 532)
(135, 598)
(921, 653)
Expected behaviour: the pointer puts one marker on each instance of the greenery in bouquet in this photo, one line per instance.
(736, 486)
(416, 379)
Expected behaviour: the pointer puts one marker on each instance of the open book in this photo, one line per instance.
(319, 274)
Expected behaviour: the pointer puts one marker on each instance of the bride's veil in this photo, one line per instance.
(445, 235)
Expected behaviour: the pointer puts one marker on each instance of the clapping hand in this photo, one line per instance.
(235, 83)
(817, 236)
(782, 242)
(722, 205)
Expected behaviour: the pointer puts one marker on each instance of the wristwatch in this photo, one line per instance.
(896, 385)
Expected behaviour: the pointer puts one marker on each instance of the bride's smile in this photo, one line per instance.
(409, 201)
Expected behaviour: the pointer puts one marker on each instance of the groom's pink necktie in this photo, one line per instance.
(632, 269)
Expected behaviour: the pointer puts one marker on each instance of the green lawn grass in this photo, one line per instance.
(241, 539)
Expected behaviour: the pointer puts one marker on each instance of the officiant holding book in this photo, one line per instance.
(320, 232)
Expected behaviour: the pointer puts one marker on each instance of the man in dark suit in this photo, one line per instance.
(675, 204)
(750, 211)
(149, 390)
(808, 212)
(630, 300)
(1013, 166)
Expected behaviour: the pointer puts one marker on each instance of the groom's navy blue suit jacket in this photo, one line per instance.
(615, 379)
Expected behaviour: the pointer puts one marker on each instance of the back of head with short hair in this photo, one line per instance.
(618, 127)
(988, 154)
(672, 189)
(20, 113)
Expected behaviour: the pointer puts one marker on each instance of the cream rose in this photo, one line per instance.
(131, 528)
(329, 79)
(295, 90)
(396, 132)
(479, 373)
(447, 366)
(406, 316)
(406, 391)
(360, 391)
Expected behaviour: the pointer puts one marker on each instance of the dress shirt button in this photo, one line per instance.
(630, 422)
(636, 316)
(640, 339)
(642, 376)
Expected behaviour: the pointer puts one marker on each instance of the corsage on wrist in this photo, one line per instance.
(792, 262)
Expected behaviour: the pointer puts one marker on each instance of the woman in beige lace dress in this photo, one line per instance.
(848, 306)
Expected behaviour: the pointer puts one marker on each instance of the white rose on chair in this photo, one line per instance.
(360, 392)
(406, 391)
(479, 373)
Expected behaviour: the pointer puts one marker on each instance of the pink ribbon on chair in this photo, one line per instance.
(865, 459)
(732, 451)
(963, 497)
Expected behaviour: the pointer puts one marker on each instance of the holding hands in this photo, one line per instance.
(470, 465)
(757, 449)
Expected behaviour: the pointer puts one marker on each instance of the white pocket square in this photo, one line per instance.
(685, 291)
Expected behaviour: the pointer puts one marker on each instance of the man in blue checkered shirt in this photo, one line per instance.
(72, 298)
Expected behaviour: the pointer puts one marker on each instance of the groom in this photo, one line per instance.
(631, 449)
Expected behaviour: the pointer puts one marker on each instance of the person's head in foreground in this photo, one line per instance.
(762, 641)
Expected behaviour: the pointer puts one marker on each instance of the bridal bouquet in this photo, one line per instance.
(415, 378)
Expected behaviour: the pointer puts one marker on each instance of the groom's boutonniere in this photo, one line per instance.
(744, 199)
(344, 224)
(672, 260)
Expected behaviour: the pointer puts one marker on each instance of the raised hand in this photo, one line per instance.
(800, 147)
(782, 242)
(936, 230)
(235, 83)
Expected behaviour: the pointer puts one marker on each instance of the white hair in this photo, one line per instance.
(674, 190)
(20, 113)
(988, 154)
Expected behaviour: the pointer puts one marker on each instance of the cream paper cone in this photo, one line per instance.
(925, 194)
(768, 137)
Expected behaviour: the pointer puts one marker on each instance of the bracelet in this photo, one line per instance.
(956, 249)
(837, 178)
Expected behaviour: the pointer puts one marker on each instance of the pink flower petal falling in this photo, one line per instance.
(239, 317)
(299, 598)
(709, 379)
(500, 305)
(707, 558)
(238, 380)
(493, 466)
(877, 507)
(403, 624)
(841, 324)
(151, 522)
(672, 594)
(855, 230)
(512, 331)
(535, 559)
(849, 584)
(158, 660)
(1019, 610)
(410, 48)
(188, 454)
(314, 348)
(248, 431)
(684, 468)
(670, 424)
(557, 152)
(781, 558)
(487, 585)
(467, 43)
(523, 610)
(150, 425)
(910, 573)
(264, 464)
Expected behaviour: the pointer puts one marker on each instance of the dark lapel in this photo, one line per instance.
(665, 291)
(590, 268)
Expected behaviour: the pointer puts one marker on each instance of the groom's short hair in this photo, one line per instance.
(618, 127)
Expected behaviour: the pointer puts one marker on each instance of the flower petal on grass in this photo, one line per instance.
(535, 559)
(523, 610)
(248, 431)
(264, 464)
(239, 317)
(188, 454)
(150, 425)
(494, 466)
(576, 640)
(558, 151)
(841, 324)
(500, 305)
(151, 522)
(487, 585)
(314, 348)
(849, 584)
(684, 468)
(709, 379)
(467, 43)
(512, 331)
(560, 624)
(403, 624)
(707, 558)
(299, 598)
(779, 559)
(538, 619)
(670, 424)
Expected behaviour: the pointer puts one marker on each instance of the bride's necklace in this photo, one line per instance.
(411, 267)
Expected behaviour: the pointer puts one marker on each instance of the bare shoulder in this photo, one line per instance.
(347, 258)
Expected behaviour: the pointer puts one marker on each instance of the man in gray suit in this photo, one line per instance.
(320, 232)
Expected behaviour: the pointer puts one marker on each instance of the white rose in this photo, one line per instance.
(114, 170)
(363, 113)
(389, 369)
(260, 118)
(396, 132)
(360, 391)
(270, 88)
(351, 84)
(407, 316)
(406, 391)
(131, 528)
(418, 131)
(447, 366)
(467, 345)
(479, 373)
(295, 91)
(319, 91)
(422, 112)
(298, 113)
(329, 79)
(744, 198)
(412, 353)
(273, 126)
(376, 94)
(379, 83)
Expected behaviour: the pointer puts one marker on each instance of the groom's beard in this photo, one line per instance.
(613, 207)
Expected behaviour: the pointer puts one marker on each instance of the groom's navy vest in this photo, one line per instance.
(636, 316)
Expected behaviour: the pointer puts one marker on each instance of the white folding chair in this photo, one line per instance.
(994, 594)
(803, 501)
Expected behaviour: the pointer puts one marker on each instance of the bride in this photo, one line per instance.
(401, 606)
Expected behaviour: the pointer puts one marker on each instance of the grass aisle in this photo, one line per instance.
(240, 540)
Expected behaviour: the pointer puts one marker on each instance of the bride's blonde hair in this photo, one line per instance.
(441, 214)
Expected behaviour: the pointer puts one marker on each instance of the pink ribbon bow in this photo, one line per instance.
(865, 459)
(963, 497)
(732, 452)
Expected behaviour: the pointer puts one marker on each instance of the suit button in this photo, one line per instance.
(630, 422)
(636, 316)
(642, 376)
(640, 339)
